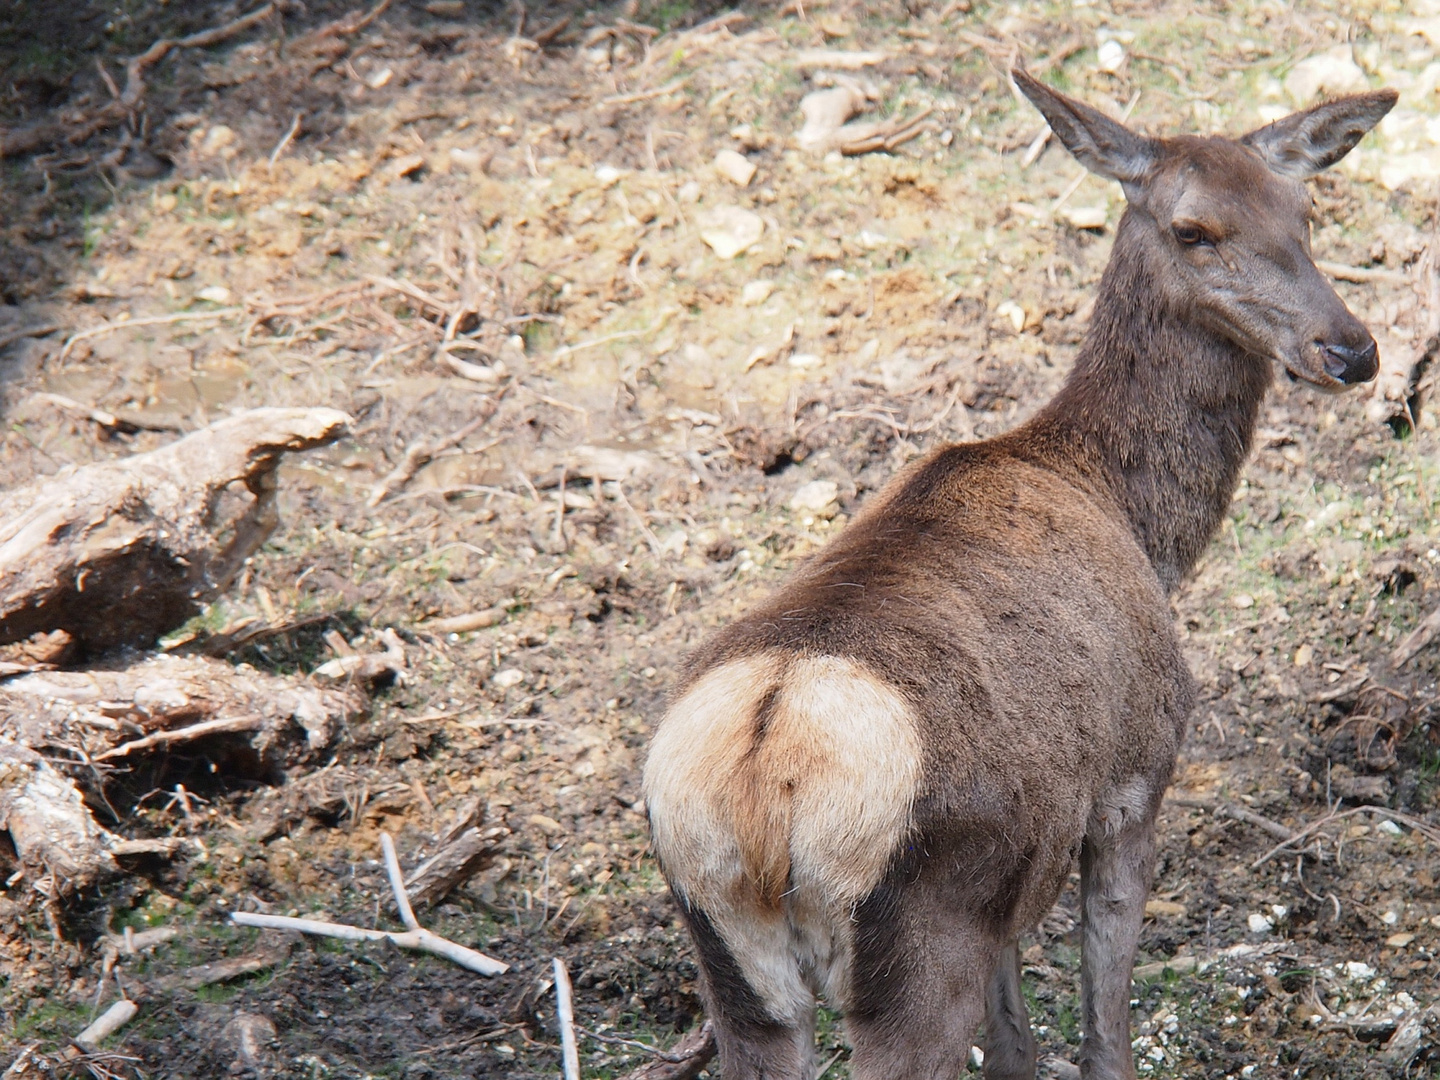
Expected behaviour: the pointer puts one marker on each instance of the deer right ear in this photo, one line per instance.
(1304, 143)
(1102, 145)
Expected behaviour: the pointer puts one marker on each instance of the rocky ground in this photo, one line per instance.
(452, 207)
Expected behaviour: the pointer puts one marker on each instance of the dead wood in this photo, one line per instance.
(459, 859)
(118, 552)
(230, 968)
(109, 715)
(684, 1061)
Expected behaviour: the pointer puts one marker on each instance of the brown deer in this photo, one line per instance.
(868, 787)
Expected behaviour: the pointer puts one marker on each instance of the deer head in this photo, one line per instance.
(1224, 225)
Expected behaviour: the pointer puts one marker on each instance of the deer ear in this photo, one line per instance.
(1102, 145)
(1305, 143)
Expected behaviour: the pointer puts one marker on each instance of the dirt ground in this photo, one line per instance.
(456, 202)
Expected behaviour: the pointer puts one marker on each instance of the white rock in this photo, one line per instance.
(216, 139)
(1357, 971)
(756, 292)
(507, 677)
(1389, 827)
(803, 361)
(1085, 217)
(689, 193)
(1259, 924)
(825, 112)
(977, 1057)
(674, 544)
(609, 463)
(1111, 56)
(607, 175)
(379, 78)
(735, 167)
(815, 496)
(1331, 72)
(729, 230)
(1014, 312)
(466, 158)
(216, 294)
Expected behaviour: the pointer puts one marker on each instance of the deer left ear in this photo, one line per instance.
(1309, 142)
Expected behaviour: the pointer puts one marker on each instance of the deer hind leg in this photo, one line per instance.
(764, 1032)
(918, 982)
(1117, 862)
(1010, 1049)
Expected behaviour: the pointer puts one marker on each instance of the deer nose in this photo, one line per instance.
(1351, 365)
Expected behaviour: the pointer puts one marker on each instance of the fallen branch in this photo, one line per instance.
(1238, 813)
(350, 24)
(420, 452)
(1361, 275)
(570, 350)
(136, 67)
(415, 937)
(1423, 828)
(109, 1022)
(108, 420)
(474, 620)
(185, 734)
(147, 320)
(10, 338)
(684, 1061)
(565, 1017)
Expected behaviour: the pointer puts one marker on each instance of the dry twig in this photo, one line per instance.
(565, 1016)
(415, 936)
(420, 453)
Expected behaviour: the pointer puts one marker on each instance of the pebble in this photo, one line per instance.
(548, 825)
(1259, 924)
(216, 294)
(1242, 601)
(735, 167)
(729, 230)
(756, 292)
(508, 677)
(815, 496)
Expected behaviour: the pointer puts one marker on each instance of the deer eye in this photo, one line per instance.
(1190, 235)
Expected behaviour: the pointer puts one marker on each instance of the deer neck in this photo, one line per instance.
(1158, 410)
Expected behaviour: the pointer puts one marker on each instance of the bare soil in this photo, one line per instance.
(540, 207)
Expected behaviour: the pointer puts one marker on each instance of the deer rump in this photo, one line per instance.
(911, 737)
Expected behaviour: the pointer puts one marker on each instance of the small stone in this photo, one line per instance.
(735, 167)
(1086, 217)
(216, 139)
(1014, 312)
(507, 677)
(756, 292)
(689, 193)
(1390, 918)
(1332, 72)
(1110, 56)
(1358, 971)
(1259, 924)
(1304, 655)
(407, 165)
(449, 9)
(608, 175)
(833, 26)
(1390, 828)
(548, 825)
(815, 496)
(1242, 601)
(729, 230)
(215, 294)
(1166, 908)
(803, 361)
(466, 158)
(379, 78)
(1399, 941)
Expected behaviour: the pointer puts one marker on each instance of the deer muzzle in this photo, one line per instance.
(1350, 365)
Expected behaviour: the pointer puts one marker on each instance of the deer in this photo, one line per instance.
(867, 787)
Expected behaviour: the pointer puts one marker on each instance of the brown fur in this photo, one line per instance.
(872, 783)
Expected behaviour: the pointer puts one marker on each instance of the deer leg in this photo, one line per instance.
(917, 994)
(767, 1035)
(1010, 1049)
(1117, 862)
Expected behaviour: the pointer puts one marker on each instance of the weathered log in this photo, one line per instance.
(107, 716)
(118, 552)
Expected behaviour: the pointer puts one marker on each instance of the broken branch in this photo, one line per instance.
(415, 937)
(565, 1016)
